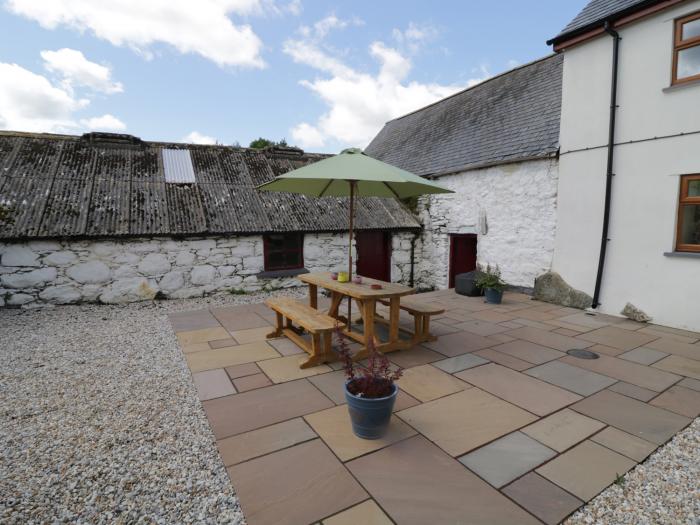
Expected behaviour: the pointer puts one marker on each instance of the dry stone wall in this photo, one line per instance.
(121, 271)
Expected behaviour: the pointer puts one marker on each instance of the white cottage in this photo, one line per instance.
(496, 146)
(628, 218)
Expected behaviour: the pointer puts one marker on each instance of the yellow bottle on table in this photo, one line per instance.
(343, 277)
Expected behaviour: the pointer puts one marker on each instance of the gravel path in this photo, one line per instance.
(665, 489)
(100, 422)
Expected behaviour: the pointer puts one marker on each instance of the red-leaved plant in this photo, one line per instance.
(373, 380)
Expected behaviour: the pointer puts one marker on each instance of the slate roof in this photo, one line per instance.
(107, 186)
(511, 117)
(597, 11)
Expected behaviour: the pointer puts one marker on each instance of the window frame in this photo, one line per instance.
(299, 249)
(680, 45)
(683, 200)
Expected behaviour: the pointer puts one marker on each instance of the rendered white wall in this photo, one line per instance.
(518, 204)
(646, 182)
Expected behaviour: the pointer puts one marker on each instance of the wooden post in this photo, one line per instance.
(352, 219)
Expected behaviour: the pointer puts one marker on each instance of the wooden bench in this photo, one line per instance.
(421, 313)
(319, 325)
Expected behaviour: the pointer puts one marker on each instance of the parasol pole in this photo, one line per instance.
(352, 216)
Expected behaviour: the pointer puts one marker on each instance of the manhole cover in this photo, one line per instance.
(582, 354)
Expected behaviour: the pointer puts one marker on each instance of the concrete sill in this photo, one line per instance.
(682, 85)
(281, 273)
(687, 255)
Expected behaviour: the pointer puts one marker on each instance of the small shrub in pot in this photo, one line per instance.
(492, 284)
(370, 390)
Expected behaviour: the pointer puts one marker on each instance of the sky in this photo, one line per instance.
(324, 75)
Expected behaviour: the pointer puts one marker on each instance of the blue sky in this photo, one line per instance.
(323, 75)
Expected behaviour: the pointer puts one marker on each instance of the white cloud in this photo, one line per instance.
(29, 102)
(76, 70)
(414, 36)
(358, 103)
(203, 27)
(195, 137)
(106, 122)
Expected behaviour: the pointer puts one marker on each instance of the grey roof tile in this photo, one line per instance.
(597, 11)
(512, 116)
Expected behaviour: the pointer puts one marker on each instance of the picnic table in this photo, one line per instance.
(366, 299)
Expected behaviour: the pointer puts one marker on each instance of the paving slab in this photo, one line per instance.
(332, 385)
(643, 355)
(202, 335)
(459, 343)
(680, 365)
(680, 400)
(416, 356)
(481, 327)
(607, 350)
(526, 392)
(212, 384)
(234, 355)
(586, 469)
(334, 427)
(246, 369)
(492, 317)
(693, 384)
(466, 420)
(507, 458)
(573, 378)
(234, 318)
(366, 513)
(251, 334)
(192, 320)
(590, 321)
(617, 337)
(670, 346)
(548, 339)
(426, 383)
(640, 375)
(503, 359)
(530, 352)
(458, 363)
(417, 483)
(287, 368)
(542, 498)
(236, 449)
(223, 343)
(243, 384)
(639, 419)
(240, 413)
(195, 347)
(301, 484)
(630, 390)
(285, 346)
(563, 430)
(623, 443)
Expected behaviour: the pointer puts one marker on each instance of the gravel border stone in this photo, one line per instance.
(100, 421)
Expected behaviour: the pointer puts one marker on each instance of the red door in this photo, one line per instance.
(462, 255)
(374, 254)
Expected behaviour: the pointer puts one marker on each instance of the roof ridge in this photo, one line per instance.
(488, 80)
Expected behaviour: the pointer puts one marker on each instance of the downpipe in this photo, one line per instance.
(610, 163)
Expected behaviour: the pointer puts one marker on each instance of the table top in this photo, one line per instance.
(357, 291)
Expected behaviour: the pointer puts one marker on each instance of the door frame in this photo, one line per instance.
(450, 269)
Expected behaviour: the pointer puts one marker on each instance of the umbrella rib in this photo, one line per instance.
(325, 188)
(392, 190)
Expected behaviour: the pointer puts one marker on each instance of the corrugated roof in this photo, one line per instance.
(597, 11)
(510, 117)
(64, 186)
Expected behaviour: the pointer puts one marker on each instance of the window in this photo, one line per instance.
(686, 49)
(688, 234)
(284, 251)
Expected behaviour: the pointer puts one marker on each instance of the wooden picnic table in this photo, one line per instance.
(366, 299)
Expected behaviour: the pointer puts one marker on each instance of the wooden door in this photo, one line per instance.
(462, 255)
(374, 254)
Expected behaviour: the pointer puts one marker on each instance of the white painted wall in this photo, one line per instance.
(39, 273)
(517, 202)
(646, 185)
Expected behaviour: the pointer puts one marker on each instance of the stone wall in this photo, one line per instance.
(511, 208)
(120, 271)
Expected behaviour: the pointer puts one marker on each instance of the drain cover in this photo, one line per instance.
(582, 354)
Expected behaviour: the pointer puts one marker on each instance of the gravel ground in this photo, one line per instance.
(665, 489)
(100, 422)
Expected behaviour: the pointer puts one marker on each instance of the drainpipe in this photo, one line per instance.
(611, 156)
(413, 258)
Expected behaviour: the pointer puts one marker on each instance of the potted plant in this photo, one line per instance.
(370, 390)
(490, 281)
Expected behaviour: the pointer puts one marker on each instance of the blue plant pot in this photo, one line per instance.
(370, 417)
(493, 296)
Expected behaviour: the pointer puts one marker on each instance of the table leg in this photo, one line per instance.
(368, 308)
(394, 312)
(313, 296)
